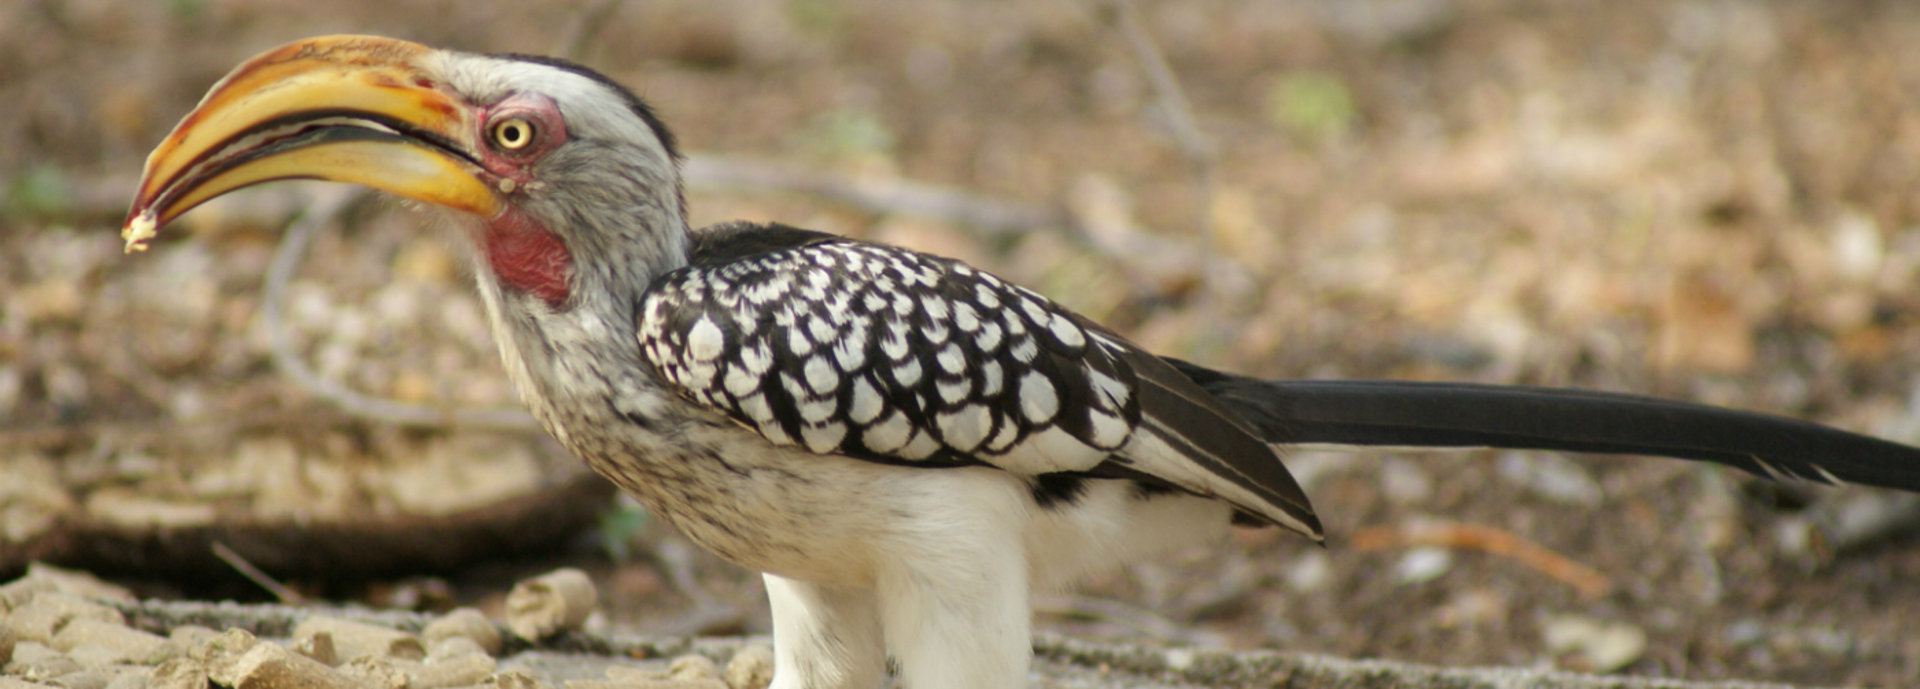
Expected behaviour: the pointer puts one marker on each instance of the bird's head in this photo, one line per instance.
(550, 165)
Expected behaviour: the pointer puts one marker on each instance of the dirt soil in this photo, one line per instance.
(1708, 200)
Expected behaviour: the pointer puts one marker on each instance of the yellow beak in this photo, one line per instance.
(357, 109)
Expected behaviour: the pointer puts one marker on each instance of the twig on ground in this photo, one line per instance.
(1174, 106)
(1586, 580)
(285, 595)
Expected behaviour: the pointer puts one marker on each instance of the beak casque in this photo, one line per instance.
(355, 109)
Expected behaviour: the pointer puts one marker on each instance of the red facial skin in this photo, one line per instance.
(524, 254)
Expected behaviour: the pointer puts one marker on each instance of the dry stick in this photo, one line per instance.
(246, 569)
(1588, 582)
(286, 261)
(1193, 143)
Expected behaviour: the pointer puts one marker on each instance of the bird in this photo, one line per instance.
(906, 446)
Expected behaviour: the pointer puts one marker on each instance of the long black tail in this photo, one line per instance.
(1417, 414)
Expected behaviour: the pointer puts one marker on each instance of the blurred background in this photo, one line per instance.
(1710, 200)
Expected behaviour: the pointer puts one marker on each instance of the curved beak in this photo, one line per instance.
(357, 109)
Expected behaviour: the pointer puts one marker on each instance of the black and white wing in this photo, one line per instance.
(889, 355)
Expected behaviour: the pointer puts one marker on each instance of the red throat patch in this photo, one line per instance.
(528, 257)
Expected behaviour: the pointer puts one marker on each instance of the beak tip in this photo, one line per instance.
(140, 229)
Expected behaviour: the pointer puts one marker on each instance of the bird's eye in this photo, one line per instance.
(512, 133)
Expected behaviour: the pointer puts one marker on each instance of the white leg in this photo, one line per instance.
(824, 637)
(964, 625)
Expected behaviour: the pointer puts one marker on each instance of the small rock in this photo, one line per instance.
(464, 622)
(7, 639)
(453, 671)
(39, 662)
(272, 666)
(1311, 573)
(318, 646)
(221, 654)
(1551, 476)
(693, 666)
(378, 673)
(130, 680)
(557, 601)
(355, 640)
(44, 616)
(19, 591)
(127, 643)
(1421, 565)
(47, 578)
(1590, 645)
(179, 673)
(513, 679)
(453, 647)
(84, 679)
(95, 655)
(191, 635)
(74, 582)
(751, 668)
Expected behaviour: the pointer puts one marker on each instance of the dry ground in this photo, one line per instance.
(1710, 200)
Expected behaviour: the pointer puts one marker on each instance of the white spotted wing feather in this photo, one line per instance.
(884, 354)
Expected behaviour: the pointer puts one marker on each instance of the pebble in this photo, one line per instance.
(751, 668)
(355, 640)
(43, 616)
(464, 623)
(123, 642)
(220, 654)
(190, 635)
(551, 603)
(130, 680)
(1587, 644)
(375, 672)
(272, 666)
(1421, 565)
(7, 640)
(693, 667)
(36, 661)
(1310, 573)
(179, 673)
(318, 646)
(452, 671)
(84, 679)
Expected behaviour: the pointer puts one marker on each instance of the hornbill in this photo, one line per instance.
(906, 446)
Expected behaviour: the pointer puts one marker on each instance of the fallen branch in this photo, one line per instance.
(1172, 100)
(286, 596)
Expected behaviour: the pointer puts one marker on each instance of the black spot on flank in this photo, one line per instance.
(1060, 489)
(1250, 520)
(1147, 490)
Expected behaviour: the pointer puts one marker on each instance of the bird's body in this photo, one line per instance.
(906, 445)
